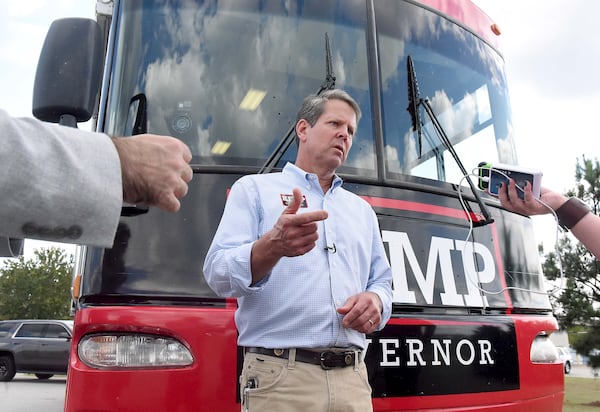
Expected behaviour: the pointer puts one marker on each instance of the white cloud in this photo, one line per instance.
(23, 27)
(551, 45)
(19, 8)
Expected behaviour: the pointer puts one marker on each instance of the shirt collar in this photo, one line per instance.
(305, 176)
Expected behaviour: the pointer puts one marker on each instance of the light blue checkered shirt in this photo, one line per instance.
(295, 305)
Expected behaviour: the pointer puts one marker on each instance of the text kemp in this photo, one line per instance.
(440, 255)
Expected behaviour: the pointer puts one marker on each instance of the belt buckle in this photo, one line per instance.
(327, 360)
(349, 358)
(330, 360)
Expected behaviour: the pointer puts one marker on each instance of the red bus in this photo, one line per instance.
(471, 317)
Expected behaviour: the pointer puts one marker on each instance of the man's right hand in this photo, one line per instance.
(295, 234)
(292, 235)
(155, 170)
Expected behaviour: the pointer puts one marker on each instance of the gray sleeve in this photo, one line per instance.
(58, 183)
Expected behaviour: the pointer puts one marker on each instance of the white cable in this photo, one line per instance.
(556, 245)
(470, 232)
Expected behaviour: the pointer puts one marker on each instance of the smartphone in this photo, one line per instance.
(500, 173)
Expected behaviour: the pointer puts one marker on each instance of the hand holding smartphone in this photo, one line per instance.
(491, 177)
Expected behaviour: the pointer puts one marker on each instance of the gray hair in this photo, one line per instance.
(313, 105)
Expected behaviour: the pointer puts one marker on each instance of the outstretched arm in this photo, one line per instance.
(68, 185)
(587, 229)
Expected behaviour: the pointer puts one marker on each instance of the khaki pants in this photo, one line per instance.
(282, 385)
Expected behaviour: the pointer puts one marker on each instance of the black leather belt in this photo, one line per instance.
(326, 359)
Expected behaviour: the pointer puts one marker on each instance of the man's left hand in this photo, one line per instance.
(362, 312)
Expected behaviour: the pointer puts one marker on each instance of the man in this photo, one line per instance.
(68, 185)
(306, 261)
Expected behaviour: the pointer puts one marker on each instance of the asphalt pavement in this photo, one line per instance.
(26, 393)
(583, 371)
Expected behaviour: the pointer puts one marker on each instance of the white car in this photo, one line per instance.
(564, 354)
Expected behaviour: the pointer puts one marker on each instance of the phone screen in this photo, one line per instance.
(496, 179)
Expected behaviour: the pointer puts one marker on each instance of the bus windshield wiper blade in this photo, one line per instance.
(284, 144)
(414, 101)
(329, 82)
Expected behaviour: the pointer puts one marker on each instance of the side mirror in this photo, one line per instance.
(11, 247)
(69, 71)
(64, 335)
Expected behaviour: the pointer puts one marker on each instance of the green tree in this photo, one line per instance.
(577, 304)
(37, 288)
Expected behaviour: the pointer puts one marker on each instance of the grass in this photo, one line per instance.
(581, 394)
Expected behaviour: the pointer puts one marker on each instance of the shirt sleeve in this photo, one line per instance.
(380, 278)
(227, 267)
(58, 183)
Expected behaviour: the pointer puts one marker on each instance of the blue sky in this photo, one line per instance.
(552, 54)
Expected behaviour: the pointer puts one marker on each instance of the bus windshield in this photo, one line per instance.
(462, 79)
(227, 79)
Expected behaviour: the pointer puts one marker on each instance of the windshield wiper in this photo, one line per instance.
(329, 82)
(414, 102)
(288, 138)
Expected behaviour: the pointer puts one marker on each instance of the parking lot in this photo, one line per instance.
(581, 371)
(26, 393)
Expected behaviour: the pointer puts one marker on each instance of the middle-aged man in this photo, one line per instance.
(305, 259)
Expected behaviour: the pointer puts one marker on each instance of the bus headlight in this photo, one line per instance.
(133, 351)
